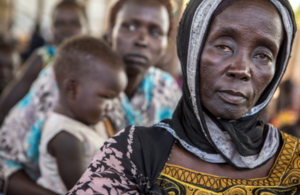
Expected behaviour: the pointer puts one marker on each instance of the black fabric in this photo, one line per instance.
(150, 153)
(248, 134)
(223, 5)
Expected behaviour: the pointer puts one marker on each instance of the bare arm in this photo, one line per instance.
(20, 183)
(69, 153)
(20, 85)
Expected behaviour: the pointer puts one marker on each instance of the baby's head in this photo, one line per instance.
(89, 75)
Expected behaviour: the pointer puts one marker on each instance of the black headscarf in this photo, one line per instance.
(192, 124)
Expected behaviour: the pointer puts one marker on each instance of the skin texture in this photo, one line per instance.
(86, 99)
(6, 68)
(67, 21)
(140, 37)
(236, 60)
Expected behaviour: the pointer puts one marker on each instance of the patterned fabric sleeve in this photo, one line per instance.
(21, 129)
(111, 170)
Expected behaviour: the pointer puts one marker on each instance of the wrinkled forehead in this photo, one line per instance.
(256, 17)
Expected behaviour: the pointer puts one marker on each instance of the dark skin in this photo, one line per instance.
(236, 65)
(6, 67)
(140, 37)
(25, 185)
(67, 21)
(87, 100)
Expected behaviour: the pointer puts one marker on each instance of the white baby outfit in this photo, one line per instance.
(92, 139)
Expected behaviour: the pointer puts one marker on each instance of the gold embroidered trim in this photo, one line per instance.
(280, 175)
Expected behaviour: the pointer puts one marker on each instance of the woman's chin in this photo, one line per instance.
(230, 113)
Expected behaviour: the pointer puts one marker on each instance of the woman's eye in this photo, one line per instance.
(131, 27)
(263, 57)
(155, 33)
(224, 48)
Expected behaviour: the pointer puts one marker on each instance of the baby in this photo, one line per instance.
(89, 75)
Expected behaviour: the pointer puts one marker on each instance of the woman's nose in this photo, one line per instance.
(240, 68)
(142, 38)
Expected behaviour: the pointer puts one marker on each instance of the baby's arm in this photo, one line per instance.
(69, 152)
(20, 183)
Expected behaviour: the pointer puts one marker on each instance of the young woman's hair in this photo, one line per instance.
(72, 3)
(118, 5)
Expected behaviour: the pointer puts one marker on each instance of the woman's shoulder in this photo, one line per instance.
(290, 150)
(165, 88)
(129, 161)
(162, 77)
(143, 136)
(287, 138)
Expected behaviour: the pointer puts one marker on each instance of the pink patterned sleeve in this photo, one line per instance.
(111, 170)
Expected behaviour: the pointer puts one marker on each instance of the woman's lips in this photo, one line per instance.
(232, 97)
(136, 58)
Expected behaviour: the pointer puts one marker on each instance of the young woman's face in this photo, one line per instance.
(239, 57)
(140, 34)
(67, 21)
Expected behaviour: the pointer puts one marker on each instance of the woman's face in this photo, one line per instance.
(67, 21)
(140, 34)
(239, 57)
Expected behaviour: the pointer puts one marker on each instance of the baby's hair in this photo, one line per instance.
(72, 3)
(78, 55)
(118, 5)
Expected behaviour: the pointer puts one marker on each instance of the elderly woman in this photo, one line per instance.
(233, 55)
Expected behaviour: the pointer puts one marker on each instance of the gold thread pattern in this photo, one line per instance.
(284, 177)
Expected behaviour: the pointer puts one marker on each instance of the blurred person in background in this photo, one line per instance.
(68, 19)
(139, 34)
(139, 31)
(286, 109)
(287, 116)
(19, 134)
(36, 41)
(8, 64)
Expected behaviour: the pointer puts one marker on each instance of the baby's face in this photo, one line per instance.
(96, 93)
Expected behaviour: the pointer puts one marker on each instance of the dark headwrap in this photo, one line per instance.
(218, 140)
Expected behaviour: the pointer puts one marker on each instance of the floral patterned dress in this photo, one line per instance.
(129, 164)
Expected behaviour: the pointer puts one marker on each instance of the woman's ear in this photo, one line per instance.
(71, 88)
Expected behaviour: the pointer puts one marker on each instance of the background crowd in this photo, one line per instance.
(36, 91)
